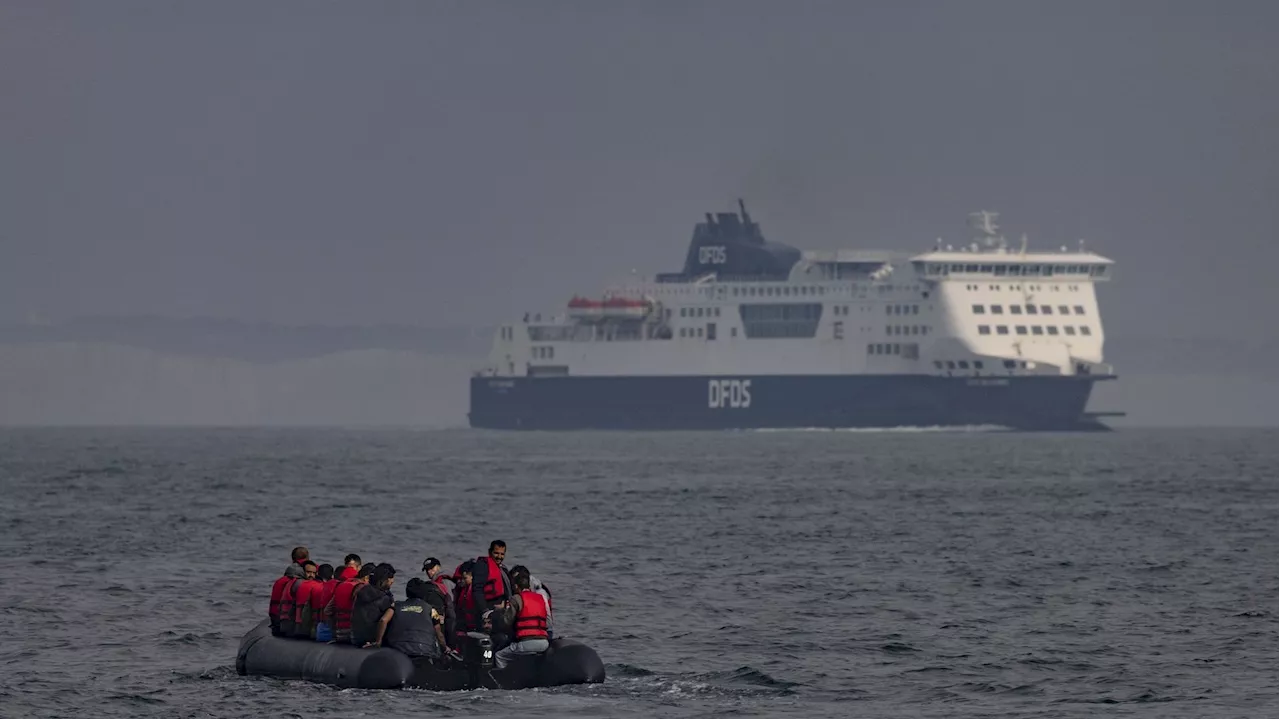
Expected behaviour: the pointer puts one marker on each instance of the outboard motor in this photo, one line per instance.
(477, 654)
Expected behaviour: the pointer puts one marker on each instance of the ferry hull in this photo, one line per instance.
(1042, 403)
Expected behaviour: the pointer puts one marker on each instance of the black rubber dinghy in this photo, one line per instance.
(566, 662)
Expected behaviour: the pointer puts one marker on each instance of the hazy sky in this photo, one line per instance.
(455, 163)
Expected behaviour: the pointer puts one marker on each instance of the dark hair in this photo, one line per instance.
(300, 553)
(521, 580)
(325, 572)
(382, 573)
(497, 543)
(310, 563)
(518, 571)
(415, 589)
(366, 570)
(467, 567)
(351, 558)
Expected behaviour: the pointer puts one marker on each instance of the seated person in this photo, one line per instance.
(415, 627)
(373, 608)
(529, 625)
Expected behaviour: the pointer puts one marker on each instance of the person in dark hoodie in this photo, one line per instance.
(415, 626)
(436, 579)
(373, 608)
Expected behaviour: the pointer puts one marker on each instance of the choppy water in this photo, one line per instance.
(814, 574)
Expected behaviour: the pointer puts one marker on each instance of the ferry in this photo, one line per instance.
(756, 334)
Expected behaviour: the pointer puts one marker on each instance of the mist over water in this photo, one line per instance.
(807, 574)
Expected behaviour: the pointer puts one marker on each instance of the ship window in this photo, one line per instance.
(1002, 329)
(837, 330)
(1084, 330)
(1037, 330)
(977, 364)
(970, 268)
(997, 309)
(951, 365)
(1000, 270)
(979, 309)
(682, 331)
(699, 331)
(1063, 310)
(915, 309)
(1079, 309)
(684, 311)
(1046, 310)
(888, 309)
(1010, 364)
(984, 329)
(987, 268)
(793, 320)
(1021, 329)
(1031, 309)
(915, 329)
(1069, 330)
(937, 363)
(733, 331)
(1052, 329)
(897, 348)
(1015, 309)
(963, 364)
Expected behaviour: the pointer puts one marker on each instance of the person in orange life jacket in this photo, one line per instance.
(298, 556)
(489, 579)
(279, 590)
(436, 578)
(373, 608)
(320, 597)
(529, 626)
(338, 611)
(468, 620)
(304, 620)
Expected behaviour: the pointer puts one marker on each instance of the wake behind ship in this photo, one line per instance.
(757, 334)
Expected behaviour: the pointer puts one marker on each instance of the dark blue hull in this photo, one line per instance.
(782, 401)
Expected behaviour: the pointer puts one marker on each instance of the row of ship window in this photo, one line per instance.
(976, 364)
(1000, 270)
(1019, 288)
(543, 352)
(807, 290)
(1035, 330)
(906, 329)
(699, 311)
(1029, 309)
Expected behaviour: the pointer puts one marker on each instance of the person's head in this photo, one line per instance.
(384, 575)
(348, 574)
(464, 573)
(520, 580)
(431, 566)
(518, 570)
(416, 589)
(294, 571)
(497, 550)
(300, 554)
(363, 574)
(324, 572)
(351, 560)
(309, 569)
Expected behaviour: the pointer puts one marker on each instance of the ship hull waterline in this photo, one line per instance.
(1028, 403)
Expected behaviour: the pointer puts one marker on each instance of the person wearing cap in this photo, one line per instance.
(436, 578)
(338, 611)
(415, 626)
(373, 608)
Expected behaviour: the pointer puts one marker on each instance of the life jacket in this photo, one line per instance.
(344, 600)
(531, 621)
(304, 615)
(321, 595)
(466, 610)
(288, 606)
(273, 608)
(494, 586)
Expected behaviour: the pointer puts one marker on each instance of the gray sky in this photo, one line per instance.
(455, 163)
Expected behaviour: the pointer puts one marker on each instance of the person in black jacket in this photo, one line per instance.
(373, 608)
(436, 583)
(415, 627)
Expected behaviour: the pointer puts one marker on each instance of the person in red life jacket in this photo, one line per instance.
(467, 620)
(297, 574)
(319, 599)
(539, 588)
(492, 585)
(373, 608)
(338, 611)
(352, 560)
(529, 624)
(292, 573)
(304, 620)
(436, 578)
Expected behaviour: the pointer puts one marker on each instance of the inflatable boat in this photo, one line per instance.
(342, 665)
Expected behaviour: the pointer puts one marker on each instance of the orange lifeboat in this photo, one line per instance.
(583, 308)
(623, 307)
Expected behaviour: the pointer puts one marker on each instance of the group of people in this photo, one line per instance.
(353, 604)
